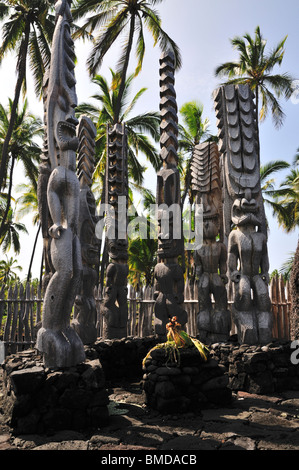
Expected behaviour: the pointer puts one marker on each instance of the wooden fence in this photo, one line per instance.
(280, 295)
(21, 312)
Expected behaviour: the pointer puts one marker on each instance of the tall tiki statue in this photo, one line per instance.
(59, 202)
(244, 219)
(213, 321)
(169, 279)
(85, 315)
(114, 307)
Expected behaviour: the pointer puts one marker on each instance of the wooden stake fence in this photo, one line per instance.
(21, 312)
(281, 306)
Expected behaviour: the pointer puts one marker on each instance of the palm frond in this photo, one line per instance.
(81, 8)
(153, 24)
(140, 46)
(142, 144)
(146, 123)
(229, 69)
(272, 167)
(105, 40)
(135, 169)
(254, 67)
(276, 55)
(281, 84)
(270, 101)
(12, 35)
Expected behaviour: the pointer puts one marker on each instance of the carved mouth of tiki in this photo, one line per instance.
(66, 132)
(249, 206)
(246, 219)
(244, 206)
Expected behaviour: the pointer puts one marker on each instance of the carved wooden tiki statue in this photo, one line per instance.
(169, 279)
(85, 314)
(244, 219)
(213, 321)
(115, 308)
(59, 202)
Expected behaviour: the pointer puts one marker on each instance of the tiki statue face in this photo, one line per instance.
(245, 210)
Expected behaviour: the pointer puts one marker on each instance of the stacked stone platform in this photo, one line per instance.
(187, 385)
(40, 400)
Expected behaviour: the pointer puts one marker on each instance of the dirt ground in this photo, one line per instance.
(251, 422)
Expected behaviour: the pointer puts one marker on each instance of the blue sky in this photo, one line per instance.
(202, 30)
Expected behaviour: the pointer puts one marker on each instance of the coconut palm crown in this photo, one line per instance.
(121, 18)
(255, 67)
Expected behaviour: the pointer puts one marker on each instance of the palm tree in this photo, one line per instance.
(22, 146)
(7, 270)
(195, 129)
(118, 17)
(142, 261)
(255, 67)
(287, 201)
(287, 266)
(137, 126)
(267, 183)
(10, 237)
(142, 255)
(28, 30)
(29, 205)
(284, 201)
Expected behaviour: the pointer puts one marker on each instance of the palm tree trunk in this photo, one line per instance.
(21, 75)
(8, 198)
(33, 253)
(124, 71)
(41, 269)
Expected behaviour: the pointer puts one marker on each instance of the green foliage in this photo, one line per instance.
(269, 191)
(8, 268)
(142, 252)
(23, 148)
(10, 237)
(27, 203)
(177, 340)
(254, 67)
(23, 145)
(116, 19)
(32, 14)
(139, 128)
(287, 266)
(27, 31)
(285, 199)
(195, 129)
